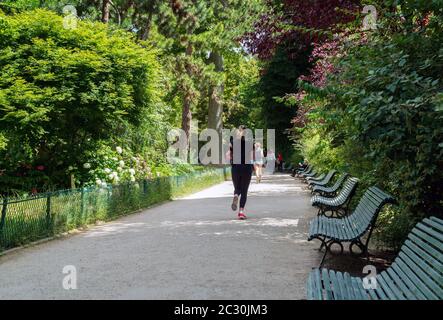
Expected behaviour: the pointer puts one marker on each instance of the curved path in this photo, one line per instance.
(191, 248)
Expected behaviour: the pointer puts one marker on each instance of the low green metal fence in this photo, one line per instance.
(45, 215)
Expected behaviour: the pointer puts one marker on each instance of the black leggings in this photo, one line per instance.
(241, 179)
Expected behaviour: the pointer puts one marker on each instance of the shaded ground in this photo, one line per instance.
(347, 263)
(192, 248)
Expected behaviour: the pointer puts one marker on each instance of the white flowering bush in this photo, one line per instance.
(118, 165)
(115, 165)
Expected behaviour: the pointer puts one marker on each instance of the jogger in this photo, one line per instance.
(241, 177)
(242, 166)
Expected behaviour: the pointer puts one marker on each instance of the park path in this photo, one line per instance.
(190, 248)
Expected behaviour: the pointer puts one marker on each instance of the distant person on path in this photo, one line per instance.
(258, 162)
(241, 158)
(270, 162)
(280, 162)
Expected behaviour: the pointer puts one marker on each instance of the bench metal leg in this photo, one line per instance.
(323, 258)
(327, 245)
(323, 243)
(360, 245)
(341, 212)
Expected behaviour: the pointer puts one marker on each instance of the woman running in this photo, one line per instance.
(258, 162)
(242, 166)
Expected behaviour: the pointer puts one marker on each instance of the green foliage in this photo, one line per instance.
(69, 97)
(318, 150)
(67, 92)
(241, 99)
(381, 116)
(280, 78)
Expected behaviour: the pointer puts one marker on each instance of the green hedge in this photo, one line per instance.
(70, 95)
(27, 220)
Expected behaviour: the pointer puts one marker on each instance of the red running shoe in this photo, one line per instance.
(241, 216)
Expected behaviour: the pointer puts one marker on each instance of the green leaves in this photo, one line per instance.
(381, 116)
(63, 92)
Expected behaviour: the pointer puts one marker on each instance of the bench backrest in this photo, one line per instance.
(329, 176)
(320, 177)
(313, 173)
(339, 181)
(419, 264)
(346, 192)
(368, 208)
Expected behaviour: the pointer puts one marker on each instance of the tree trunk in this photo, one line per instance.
(186, 116)
(215, 110)
(147, 29)
(105, 10)
(215, 107)
(187, 100)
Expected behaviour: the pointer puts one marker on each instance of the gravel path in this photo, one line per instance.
(191, 248)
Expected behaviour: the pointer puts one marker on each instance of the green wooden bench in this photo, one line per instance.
(308, 170)
(320, 177)
(305, 170)
(297, 171)
(416, 274)
(324, 181)
(336, 231)
(312, 174)
(338, 205)
(330, 192)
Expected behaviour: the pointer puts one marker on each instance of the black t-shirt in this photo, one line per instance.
(245, 156)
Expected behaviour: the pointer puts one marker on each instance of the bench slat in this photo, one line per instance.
(316, 285)
(410, 283)
(327, 284)
(430, 265)
(434, 224)
(413, 277)
(431, 232)
(389, 287)
(348, 291)
(340, 281)
(435, 255)
(418, 233)
(401, 285)
(416, 267)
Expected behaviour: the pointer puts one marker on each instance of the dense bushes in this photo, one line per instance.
(67, 93)
(379, 114)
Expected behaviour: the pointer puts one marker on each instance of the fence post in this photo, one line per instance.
(48, 211)
(82, 205)
(2, 221)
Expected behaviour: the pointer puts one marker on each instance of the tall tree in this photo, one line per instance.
(301, 22)
(204, 31)
(232, 19)
(106, 5)
(215, 95)
(196, 33)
